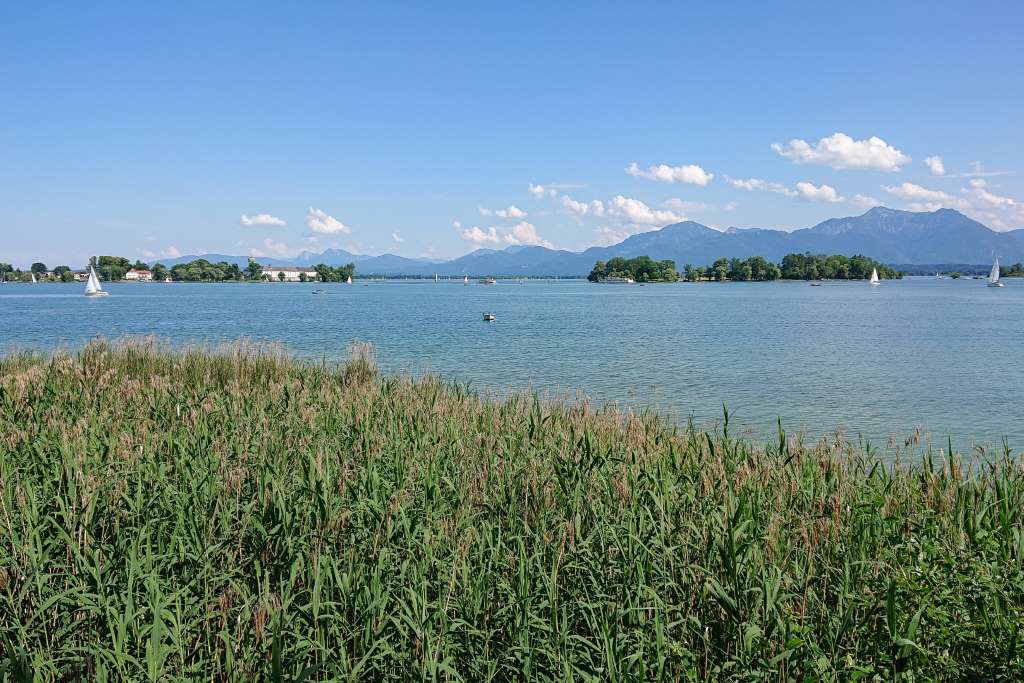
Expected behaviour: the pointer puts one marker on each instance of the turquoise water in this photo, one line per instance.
(943, 356)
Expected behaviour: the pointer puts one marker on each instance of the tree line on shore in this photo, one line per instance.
(639, 269)
(754, 269)
(114, 268)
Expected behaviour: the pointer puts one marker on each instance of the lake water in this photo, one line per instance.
(942, 355)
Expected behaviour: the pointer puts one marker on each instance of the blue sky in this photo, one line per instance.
(423, 129)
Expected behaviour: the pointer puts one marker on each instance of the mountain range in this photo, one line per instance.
(887, 235)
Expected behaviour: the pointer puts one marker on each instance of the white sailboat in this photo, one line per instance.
(349, 280)
(465, 280)
(874, 276)
(92, 285)
(993, 277)
(34, 281)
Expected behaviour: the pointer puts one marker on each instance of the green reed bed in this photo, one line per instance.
(236, 515)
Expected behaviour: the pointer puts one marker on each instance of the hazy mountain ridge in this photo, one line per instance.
(891, 236)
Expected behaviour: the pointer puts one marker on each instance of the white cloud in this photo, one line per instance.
(978, 171)
(478, 236)
(540, 191)
(865, 201)
(261, 219)
(663, 173)
(525, 233)
(751, 184)
(978, 192)
(270, 248)
(730, 206)
(935, 165)
(396, 237)
(320, 221)
(172, 252)
(840, 151)
(687, 206)
(457, 225)
(606, 236)
(818, 193)
(635, 211)
(593, 208)
(512, 212)
(912, 192)
(146, 253)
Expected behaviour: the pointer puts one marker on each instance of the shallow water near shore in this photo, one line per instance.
(940, 356)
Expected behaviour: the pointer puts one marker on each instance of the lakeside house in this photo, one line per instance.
(139, 275)
(291, 274)
(80, 275)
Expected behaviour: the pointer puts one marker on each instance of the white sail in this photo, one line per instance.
(874, 276)
(92, 286)
(993, 277)
(34, 278)
(349, 280)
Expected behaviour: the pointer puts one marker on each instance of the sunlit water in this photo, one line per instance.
(940, 355)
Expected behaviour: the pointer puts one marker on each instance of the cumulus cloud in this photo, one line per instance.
(751, 184)
(270, 248)
(636, 211)
(321, 222)
(912, 192)
(593, 208)
(840, 151)
(819, 193)
(396, 237)
(606, 236)
(663, 173)
(478, 236)
(172, 252)
(523, 233)
(684, 206)
(865, 201)
(512, 212)
(540, 191)
(935, 165)
(261, 219)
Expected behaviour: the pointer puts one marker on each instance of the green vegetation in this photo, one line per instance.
(202, 270)
(793, 267)
(1016, 270)
(835, 267)
(339, 274)
(640, 269)
(240, 516)
(110, 267)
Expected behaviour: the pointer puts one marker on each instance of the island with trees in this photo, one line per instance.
(792, 267)
(639, 269)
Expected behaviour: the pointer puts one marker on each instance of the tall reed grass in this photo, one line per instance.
(233, 514)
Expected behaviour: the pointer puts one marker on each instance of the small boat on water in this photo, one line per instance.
(34, 280)
(874, 276)
(92, 285)
(815, 284)
(993, 277)
(618, 281)
(465, 280)
(490, 317)
(488, 281)
(319, 291)
(349, 280)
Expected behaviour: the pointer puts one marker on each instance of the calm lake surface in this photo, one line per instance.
(942, 355)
